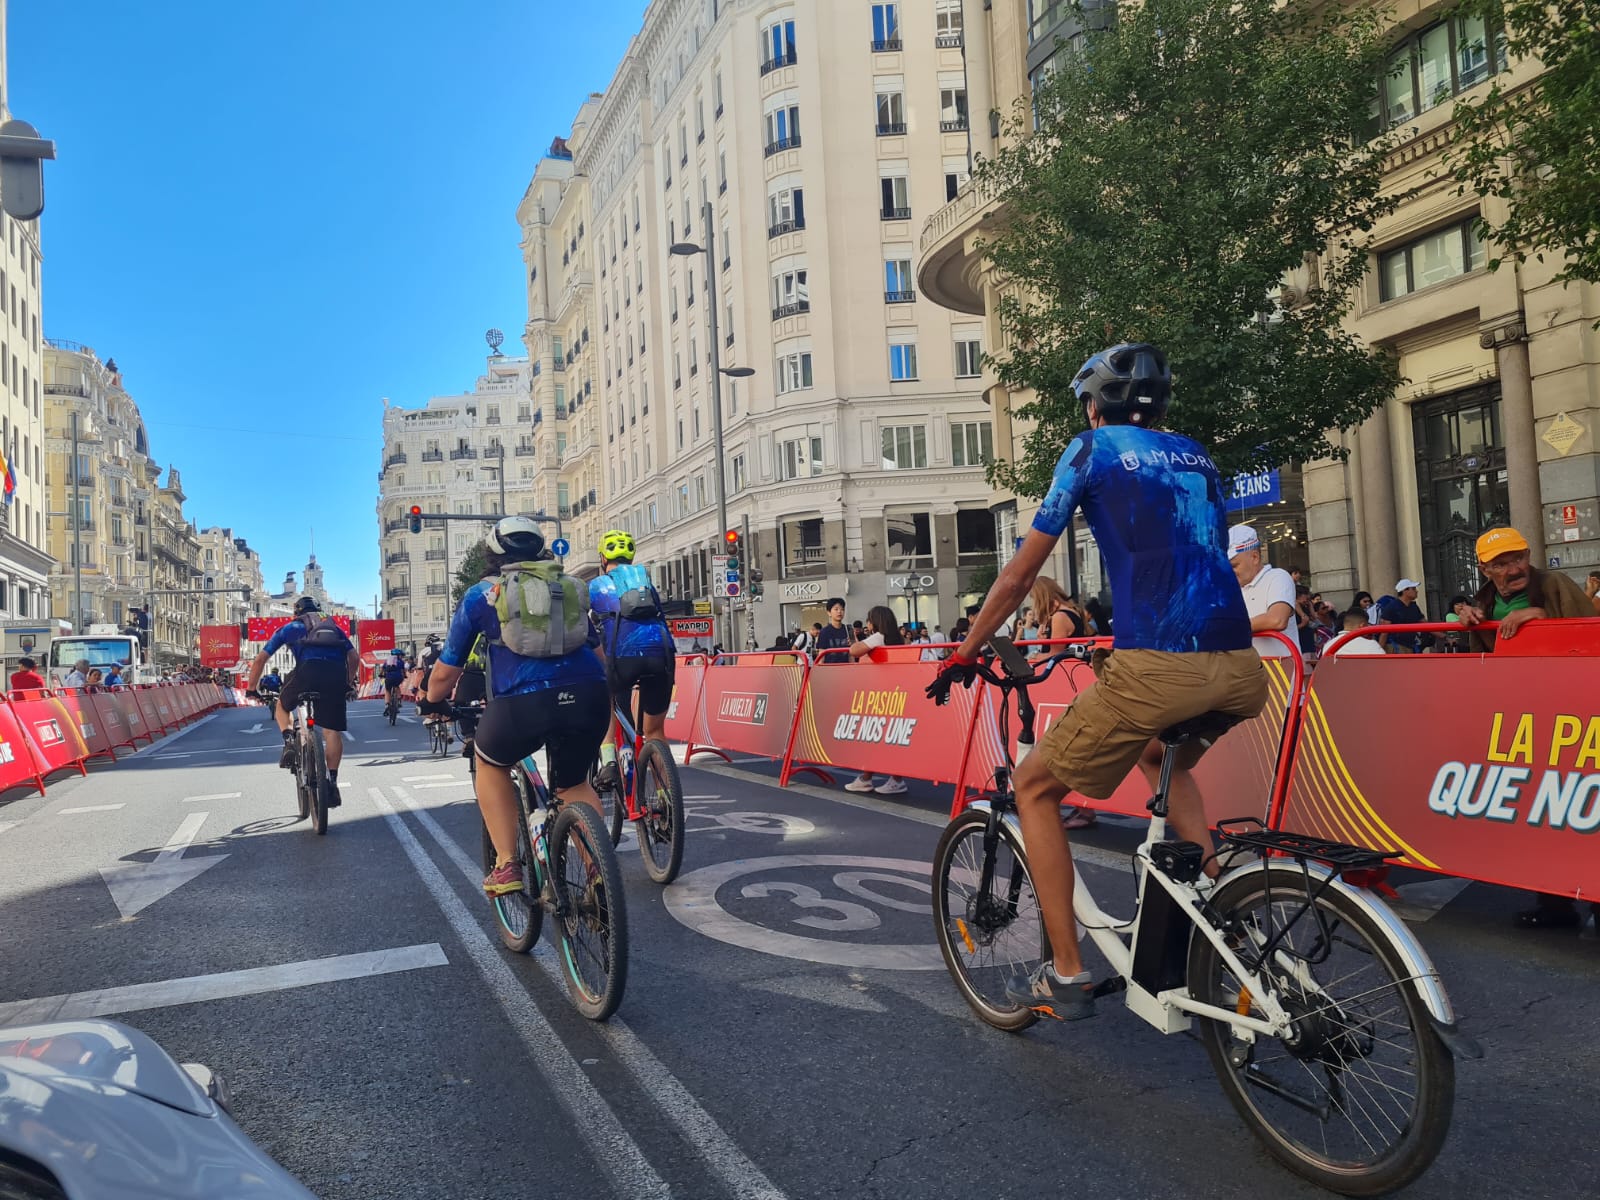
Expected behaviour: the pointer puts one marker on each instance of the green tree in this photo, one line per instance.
(1533, 146)
(470, 571)
(1188, 157)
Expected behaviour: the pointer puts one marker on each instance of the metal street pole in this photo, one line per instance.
(707, 219)
(77, 528)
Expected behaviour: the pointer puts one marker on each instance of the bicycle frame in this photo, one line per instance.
(628, 727)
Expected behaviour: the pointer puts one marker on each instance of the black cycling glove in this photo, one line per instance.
(955, 670)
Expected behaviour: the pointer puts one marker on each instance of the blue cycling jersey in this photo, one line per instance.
(291, 636)
(394, 670)
(510, 674)
(1154, 502)
(633, 639)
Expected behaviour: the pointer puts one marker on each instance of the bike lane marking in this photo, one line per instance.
(614, 1150)
(89, 808)
(217, 796)
(720, 1152)
(223, 985)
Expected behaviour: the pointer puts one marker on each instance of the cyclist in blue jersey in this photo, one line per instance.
(394, 674)
(1155, 503)
(634, 639)
(557, 702)
(326, 663)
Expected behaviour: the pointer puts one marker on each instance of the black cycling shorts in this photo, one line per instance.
(570, 720)
(330, 681)
(654, 677)
(472, 688)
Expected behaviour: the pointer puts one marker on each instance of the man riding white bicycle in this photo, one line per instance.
(1155, 503)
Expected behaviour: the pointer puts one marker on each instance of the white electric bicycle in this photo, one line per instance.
(1324, 1019)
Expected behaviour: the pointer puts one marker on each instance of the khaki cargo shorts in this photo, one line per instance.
(1098, 741)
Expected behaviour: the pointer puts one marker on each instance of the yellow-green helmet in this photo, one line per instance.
(614, 545)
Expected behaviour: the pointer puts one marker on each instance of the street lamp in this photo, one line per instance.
(686, 249)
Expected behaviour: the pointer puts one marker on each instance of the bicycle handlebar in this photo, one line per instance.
(1004, 679)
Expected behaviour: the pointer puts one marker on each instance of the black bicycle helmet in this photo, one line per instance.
(516, 538)
(1130, 383)
(306, 604)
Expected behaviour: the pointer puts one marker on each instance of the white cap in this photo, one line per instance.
(1404, 584)
(1240, 539)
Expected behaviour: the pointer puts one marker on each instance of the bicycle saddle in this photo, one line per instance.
(1207, 727)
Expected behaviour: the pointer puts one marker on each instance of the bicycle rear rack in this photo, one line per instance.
(1249, 832)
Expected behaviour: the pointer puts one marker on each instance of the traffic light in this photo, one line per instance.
(416, 518)
(732, 582)
(755, 581)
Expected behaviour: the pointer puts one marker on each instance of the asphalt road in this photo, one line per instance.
(788, 1030)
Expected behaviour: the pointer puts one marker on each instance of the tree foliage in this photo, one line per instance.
(1188, 157)
(1535, 147)
(470, 571)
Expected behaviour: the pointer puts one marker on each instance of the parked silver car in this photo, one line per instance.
(94, 1110)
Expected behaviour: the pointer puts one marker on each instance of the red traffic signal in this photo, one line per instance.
(416, 518)
(416, 510)
(732, 537)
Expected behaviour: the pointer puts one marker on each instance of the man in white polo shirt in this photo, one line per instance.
(1268, 591)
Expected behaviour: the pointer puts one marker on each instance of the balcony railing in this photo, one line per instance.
(66, 389)
(433, 456)
(463, 452)
(397, 593)
(885, 45)
(523, 451)
(435, 555)
(783, 227)
(896, 214)
(953, 124)
(788, 143)
(899, 297)
(397, 458)
(399, 558)
(786, 59)
(891, 128)
(791, 310)
(394, 526)
(948, 41)
(437, 589)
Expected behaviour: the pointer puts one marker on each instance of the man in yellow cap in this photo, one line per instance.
(1517, 591)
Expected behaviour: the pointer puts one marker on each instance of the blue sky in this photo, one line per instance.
(272, 215)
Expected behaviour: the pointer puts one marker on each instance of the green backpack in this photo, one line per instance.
(544, 613)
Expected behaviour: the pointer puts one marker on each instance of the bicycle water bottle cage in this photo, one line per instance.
(1178, 861)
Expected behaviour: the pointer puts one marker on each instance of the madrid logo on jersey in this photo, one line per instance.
(1130, 460)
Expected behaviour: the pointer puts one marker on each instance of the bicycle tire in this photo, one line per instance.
(303, 798)
(611, 801)
(660, 824)
(519, 916)
(319, 778)
(1325, 1039)
(989, 923)
(596, 968)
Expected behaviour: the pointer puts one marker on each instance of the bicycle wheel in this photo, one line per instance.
(440, 745)
(317, 781)
(592, 911)
(616, 808)
(302, 794)
(392, 713)
(519, 915)
(987, 935)
(660, 827)
(1361, 1102)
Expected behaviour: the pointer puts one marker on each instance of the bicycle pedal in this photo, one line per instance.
(1044, 1010)
(1110, 987)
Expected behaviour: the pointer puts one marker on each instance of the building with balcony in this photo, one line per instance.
(819, 132)
(448, 456)
(1498, 419)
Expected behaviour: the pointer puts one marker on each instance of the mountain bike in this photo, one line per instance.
(311, 780)
(391, 707)
(569, 871)
(647, 792)
(439, 735)
(1324, 1019)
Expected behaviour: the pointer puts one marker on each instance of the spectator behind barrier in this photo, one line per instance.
(1353, 620)
(882, 632)
(25, 676)
(835, 635)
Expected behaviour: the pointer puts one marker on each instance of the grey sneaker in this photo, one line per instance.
(1041, 991)
(286, 760)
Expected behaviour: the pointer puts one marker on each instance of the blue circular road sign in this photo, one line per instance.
(559, 547)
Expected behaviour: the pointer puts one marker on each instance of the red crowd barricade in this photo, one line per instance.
(144, 696)
(50, 731)
(133, 714)
(683, 713)
(749, 702)
(79, 706)
(111, 715)
(18, 763)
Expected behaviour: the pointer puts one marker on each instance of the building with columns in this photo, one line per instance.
(1497, 420)
(820, 132)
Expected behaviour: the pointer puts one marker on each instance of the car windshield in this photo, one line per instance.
(101, 653)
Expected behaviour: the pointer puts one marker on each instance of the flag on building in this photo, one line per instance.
(10, 480)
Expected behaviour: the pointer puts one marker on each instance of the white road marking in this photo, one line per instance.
(614, 1150)
(377, 741)
(256, 728)
(423, 778)
(702, 797)
(87, 808)
(742, 1177)
(422, 787)
(164, 993)
(217, 796)
(136, 886)
(412, 720)
(5, 825)
(348, 736)
(175, 734)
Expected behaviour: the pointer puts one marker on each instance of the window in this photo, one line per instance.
(737, 474)
(794, 371)
(891, 112)
(971, 443)
(969, 358)
(896, 198)
(790, 294)
(952, 109)
(799, 457)
(786, 211)
(903, 361)
(947, 22)
(905, 447)
(1438, 62)
(975, 535)
(561, 445)
(683, 500)
(1440, 256)
(716, 94)
(803, 552)
(885, 27)
(909, 539)
(777, 46)
(783, 129)
(897, 285)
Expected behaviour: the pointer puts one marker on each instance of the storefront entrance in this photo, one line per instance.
(1461, 488)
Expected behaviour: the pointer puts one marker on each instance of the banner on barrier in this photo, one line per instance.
(747, 704)
(110, 715)
(18, 766)
(377, 636)
(684, 709)
(79, 706)
(219, 645)
(50, 730)
(1500, 783)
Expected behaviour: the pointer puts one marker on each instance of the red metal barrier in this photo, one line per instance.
(111, 715)
(79, 705)
(749, 702)
(133, 714)
(683, 713)
(18, 764)
(50, 731)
